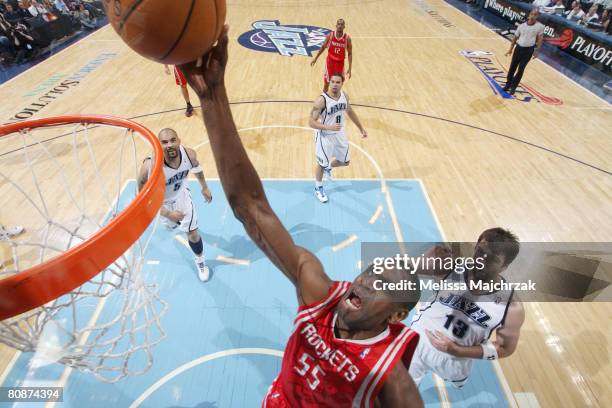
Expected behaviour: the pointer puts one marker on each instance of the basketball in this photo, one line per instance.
(167, 31)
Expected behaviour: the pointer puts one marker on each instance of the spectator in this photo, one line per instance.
(605, 4)
(13, 15)
(84, 17)
(604, 23)
(61, 6)
(576, 12)
(591, 16)
(6, 46)
(20, 42)
(36, 8)
(556, 8)
(24, 8)
(541, 3)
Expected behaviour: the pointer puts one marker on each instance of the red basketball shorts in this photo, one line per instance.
(179, 77)
(333, 67)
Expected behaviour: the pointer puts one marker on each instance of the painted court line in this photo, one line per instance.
(345, 243)
(234, 261)
(202, 360)
(376, 214)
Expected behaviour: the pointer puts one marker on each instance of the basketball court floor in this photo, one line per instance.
(447, 156)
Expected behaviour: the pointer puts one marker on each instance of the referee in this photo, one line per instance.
(528, 40)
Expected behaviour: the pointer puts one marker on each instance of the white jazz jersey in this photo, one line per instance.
(176, 178)
(466, 318)
(333, 112)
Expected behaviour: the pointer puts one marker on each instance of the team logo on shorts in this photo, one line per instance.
(495, 74)
(287, 40)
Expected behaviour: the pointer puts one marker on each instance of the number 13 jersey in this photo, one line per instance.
(321, 370)
(467, 318)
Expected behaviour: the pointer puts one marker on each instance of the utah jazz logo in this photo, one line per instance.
(495, 74)
(287, 40)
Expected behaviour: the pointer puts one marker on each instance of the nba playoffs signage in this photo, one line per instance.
(286, 40)
(495, 75)
(586, 48)
(50, 90)
(581, 43)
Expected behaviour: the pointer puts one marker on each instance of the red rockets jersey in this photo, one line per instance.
(337, 47)
(321, 370)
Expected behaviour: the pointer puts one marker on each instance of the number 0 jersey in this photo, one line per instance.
(321, 370)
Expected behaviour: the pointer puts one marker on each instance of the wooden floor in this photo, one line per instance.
(430, 116)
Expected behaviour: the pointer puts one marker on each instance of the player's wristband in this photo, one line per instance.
(489, 352)
(197, 169)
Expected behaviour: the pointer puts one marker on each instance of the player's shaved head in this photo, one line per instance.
(340, 24)
(166, 133)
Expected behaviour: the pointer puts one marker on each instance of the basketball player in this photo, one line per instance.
(348, 347)
(179, 78)
(456, 325)
(177, 209)
(331, 144)
(340, 45)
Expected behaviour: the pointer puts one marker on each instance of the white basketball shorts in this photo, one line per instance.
(182, 202)
(426, 358)
(330, 146)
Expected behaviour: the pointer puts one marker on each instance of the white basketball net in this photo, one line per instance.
(63, 183)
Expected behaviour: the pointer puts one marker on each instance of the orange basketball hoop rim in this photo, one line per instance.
(51, 279)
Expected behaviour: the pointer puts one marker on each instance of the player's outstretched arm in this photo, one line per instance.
(507, 336)
(400, 391)
(349, 50)
(351, 114)
(199, 174)
(325, 44)
(241, 183)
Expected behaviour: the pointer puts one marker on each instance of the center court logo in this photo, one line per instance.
(495, 75)
(287, 40)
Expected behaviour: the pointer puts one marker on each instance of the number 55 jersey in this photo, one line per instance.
(322, 370)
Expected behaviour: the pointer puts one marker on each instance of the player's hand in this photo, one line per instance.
(535, 55)
(441, 342)
(313, 62)
(508, 53)
(176, 216)
(364, 133)
(348, 74)
(335, 127)
(207, 195)
(208, 72)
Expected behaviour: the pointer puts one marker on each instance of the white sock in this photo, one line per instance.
(318, 184)
(200, 258)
